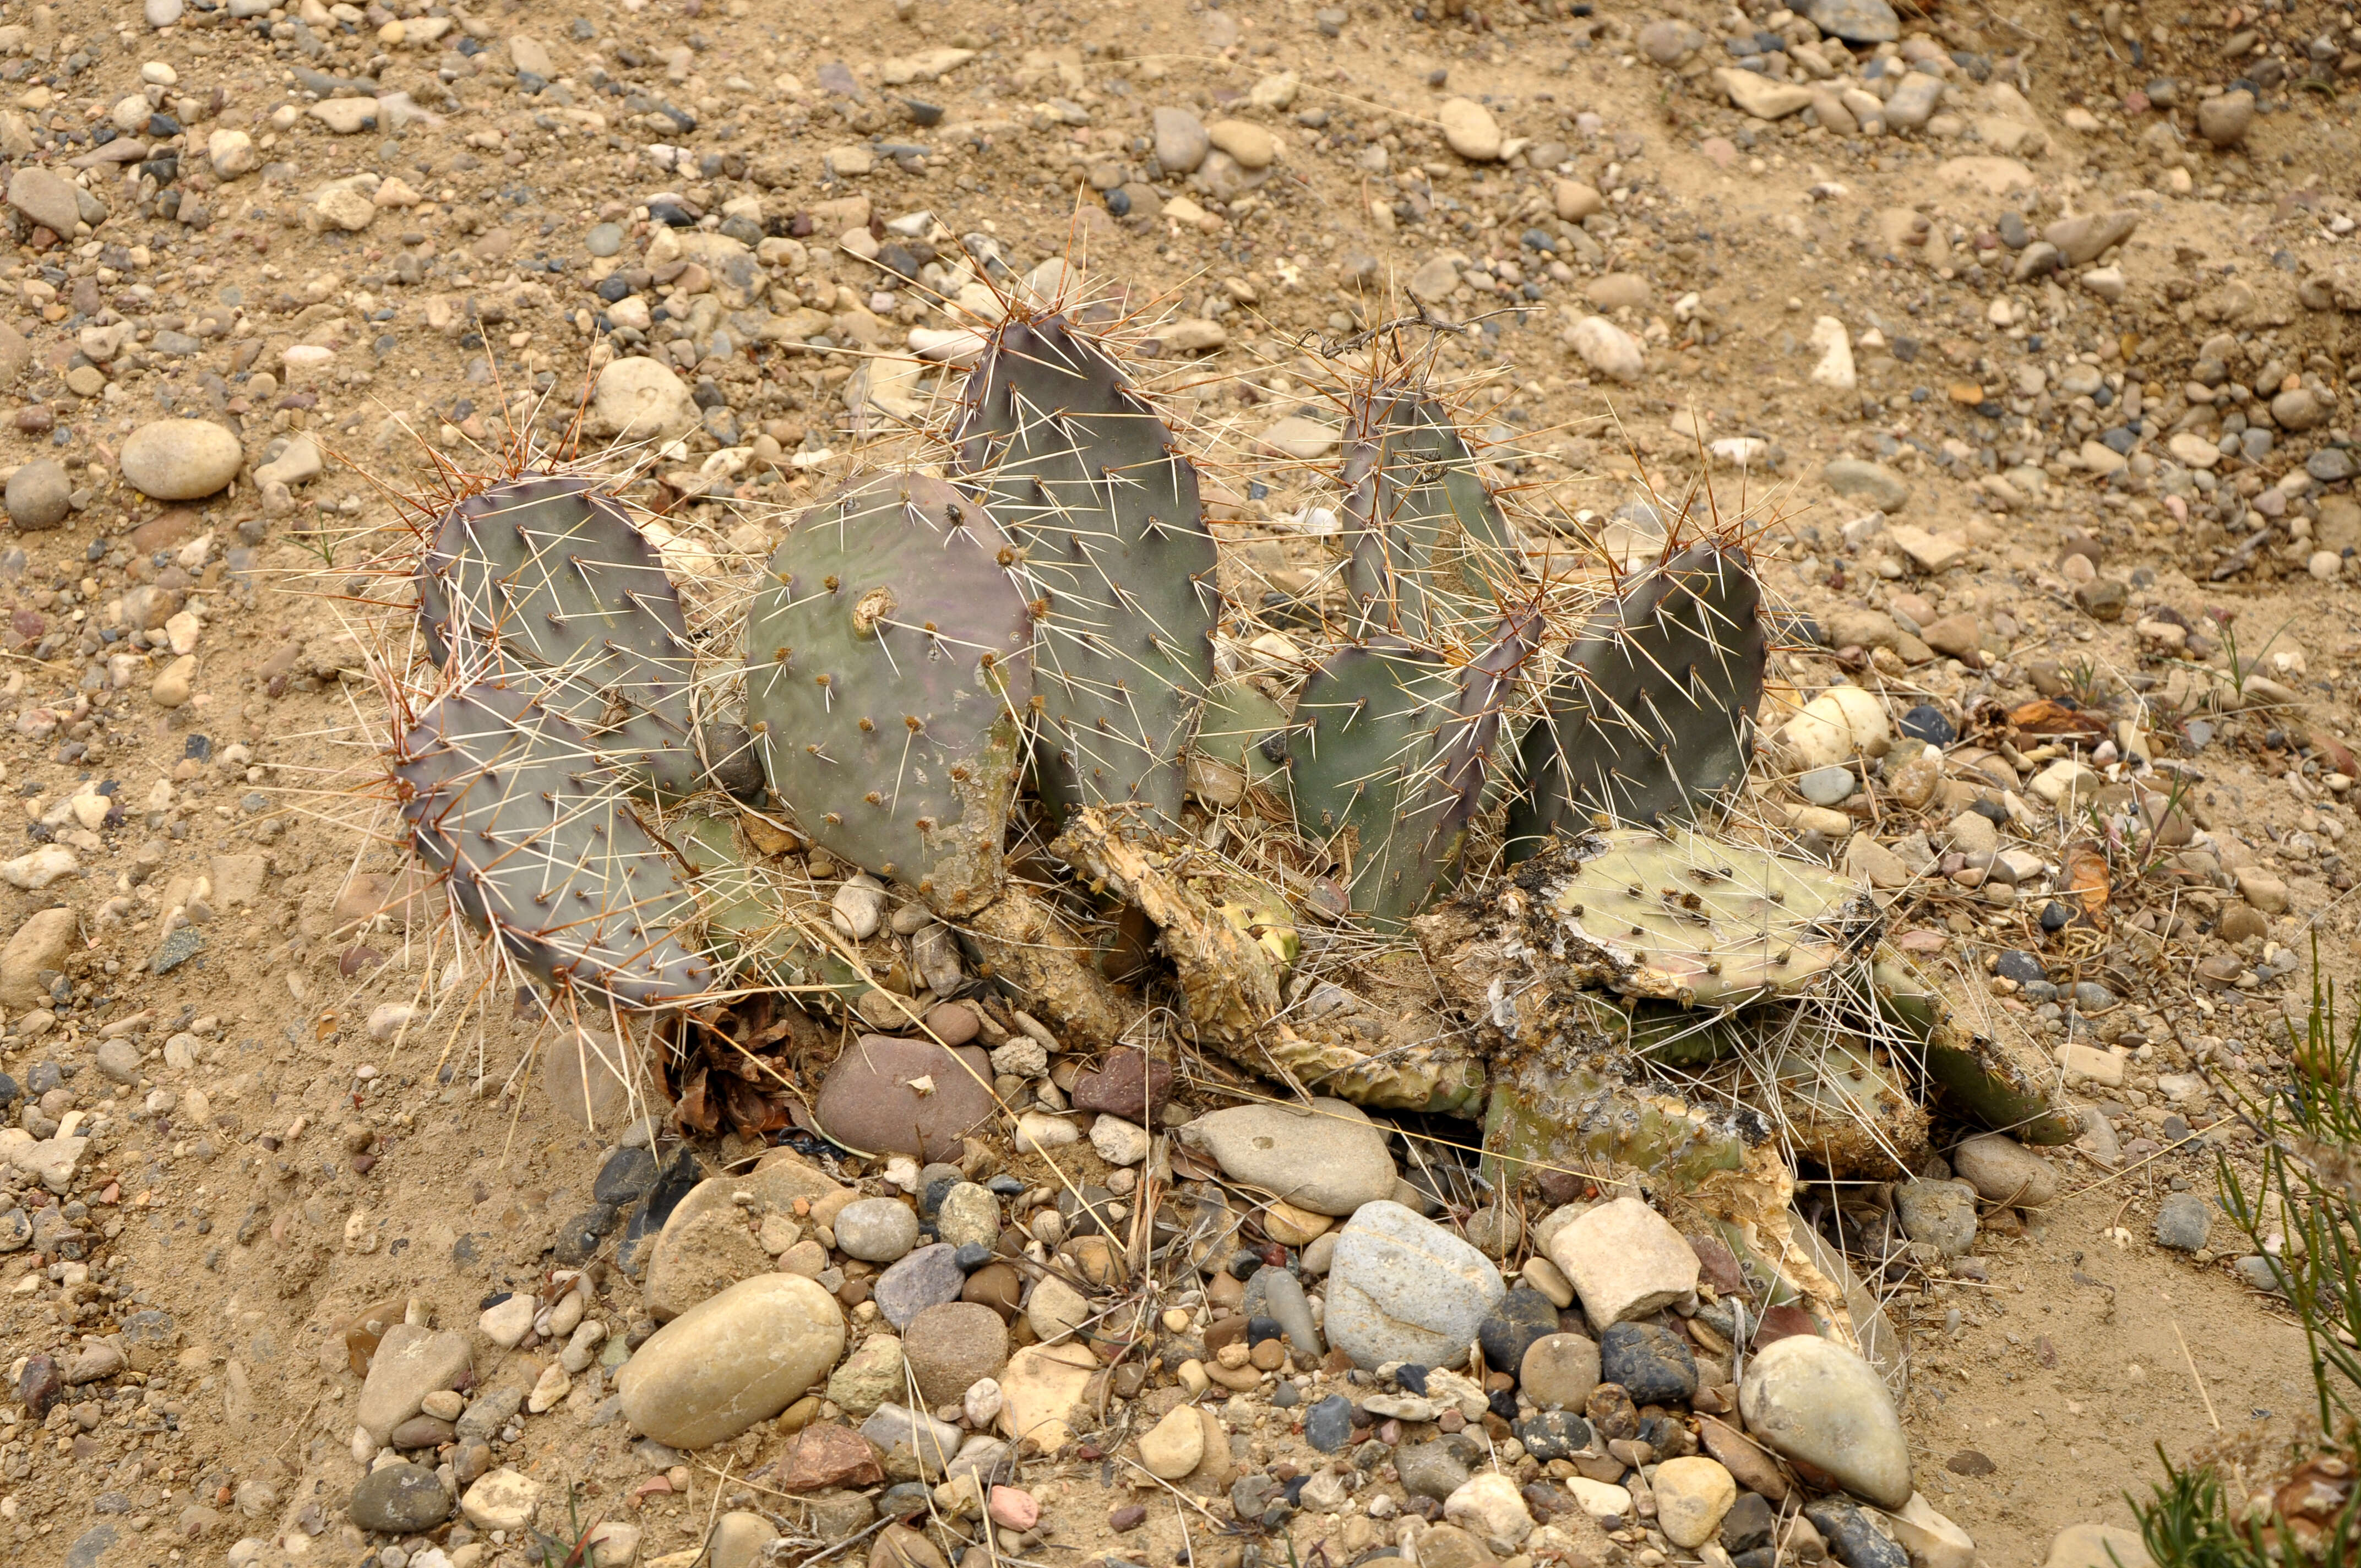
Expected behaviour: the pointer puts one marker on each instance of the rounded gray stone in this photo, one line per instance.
(119, 1061)
(605, 239)
(2184, 1221)
(1812, 1399)
(927, 1278)
(1827, 787)
(39, 494)
(401, 1500)
(1942, 1214)
(1331, 1159)
(876, 1230)
(1404, 1288)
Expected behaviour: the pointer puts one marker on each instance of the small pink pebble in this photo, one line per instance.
(1013, 1510)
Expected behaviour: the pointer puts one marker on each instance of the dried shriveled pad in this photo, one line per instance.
(508, 797)
(543, 582)
(888, 674)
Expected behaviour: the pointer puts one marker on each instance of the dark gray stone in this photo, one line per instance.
(1853, 1539)
(1554, 1434)
(2183, 1222)
(1523, 1316)
(401, 1500)
(927, 1278)
(1651, 1363)
(1328, 1425)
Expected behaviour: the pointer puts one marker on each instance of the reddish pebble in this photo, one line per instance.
(1012, 1508)
(1389, 1433)
(363, 1164)
(35, 420)
(954, 1023)
(1451, 1420)
(1129, 1517)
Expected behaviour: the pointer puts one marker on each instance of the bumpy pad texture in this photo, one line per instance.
(1116, 557)
(508, 797)
(1652, 715)
(887, 678)
(1678, 916)
(543, 581)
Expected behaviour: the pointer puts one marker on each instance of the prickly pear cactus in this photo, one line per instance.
(1431, 552)
(1653, 713)
(746, 927)
(887, 678)
(1119, 563)
(1679, 917)
(508, 797)
(1387, 759)
(544, 580)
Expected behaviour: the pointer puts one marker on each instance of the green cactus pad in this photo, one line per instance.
(1119, 563)
(508, 796)
(1431, 552)
(886, 678)
(1387, 759)
(544, 580)
(1652, 713)
(1680, 917)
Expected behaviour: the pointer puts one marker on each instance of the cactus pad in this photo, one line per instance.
(544, 580)
(1389, 757)
(1119, 563)
(1654, 711)
(507, 797)
(886, 678)
(1680, 918)
(1431, 551)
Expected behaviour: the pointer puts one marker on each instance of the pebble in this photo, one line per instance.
(1651, 1362)
(870, 1375)
(733, 1359)
(1118, 1142)
(858, 907)
(1523, 1318)
(1942, 1214)
(1693, 1495)
(866, 1101)
(161, 13)
(1816, 1401)
(954, 1348)
(401, 1500)
(927, 1278)
(1606, 348)
(1127, 1084)
(1435, 1469)
(180, 459)
(1182, 141)
(411, 1363)
(501, 1499)
(1276, 1294)
(1470, 130)
(638, 399)
(2097, 1546)
(2184, 1220)
(2222, 120)
(1489, 1507)
(39, 495)
(876, 1230)
(1400, 1287)
(2001, 1169)
(968, 1215)
(1559, 1371)
(1331, 1160)
(1872, 484)
(1855, 21)
(1624, 1260)
(1250, 143)
(1600, 1500)
(1827, 787)
(45, 199)
(1174, 1447)
(1328, 1424)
